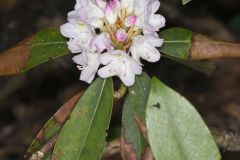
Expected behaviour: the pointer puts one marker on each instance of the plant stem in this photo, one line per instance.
(121, 92)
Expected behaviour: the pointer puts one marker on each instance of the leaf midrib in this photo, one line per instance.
(84, 141)
(47, 43)
(186, 41)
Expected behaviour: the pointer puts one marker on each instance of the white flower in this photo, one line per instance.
(101, 42)
(157, 21)
(118, 63)
(128, 5)
(115, 34)
(80, 35)
(88, 63)
(144, 16)
(101, 3)
(111, 11)
(88, 11)
(144, 47)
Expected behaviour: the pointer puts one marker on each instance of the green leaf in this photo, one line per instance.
(135, 106)
(177, 45)
(177, 42)
(83, 135)
(175, 129)
(185, 1)
(206, 67)
(47, 44)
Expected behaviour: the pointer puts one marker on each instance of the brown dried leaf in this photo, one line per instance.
(16, 58)
(55, 122)
(127, 150)
(148, 155)
(206, 48)
(142, 127)
(61, 115)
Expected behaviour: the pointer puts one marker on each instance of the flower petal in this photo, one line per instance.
(144, 47)
(128, 78)
(101, 3)
(111, 11)
(107, 71)
(127, 5)
(70, 30)
(89, 12)
(89, 64)
(106, 58)
(101, 42)
(81, 59)
(130, 21)
(157, 21)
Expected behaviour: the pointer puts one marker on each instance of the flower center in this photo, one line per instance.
(120, 34)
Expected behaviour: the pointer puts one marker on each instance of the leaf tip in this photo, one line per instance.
(184, 2)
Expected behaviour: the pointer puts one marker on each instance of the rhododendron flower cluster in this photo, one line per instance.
(111, 38)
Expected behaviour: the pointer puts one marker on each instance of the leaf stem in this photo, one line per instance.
(120, 92)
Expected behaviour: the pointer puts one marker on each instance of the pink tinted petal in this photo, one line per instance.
(130, 21)
(111, 11)
(121, 35)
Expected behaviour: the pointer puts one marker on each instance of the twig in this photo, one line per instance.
(45, 149)
(226, 140)
(113, 147)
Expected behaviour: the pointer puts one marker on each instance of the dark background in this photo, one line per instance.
(28, 100)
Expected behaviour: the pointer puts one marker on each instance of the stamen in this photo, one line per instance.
(81, 68)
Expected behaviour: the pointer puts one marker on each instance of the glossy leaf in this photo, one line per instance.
(177, 46)
(177, 42)
(53, 126)
(135, 106)
(83, 135)
(185, 1)
(205, 67)
(175, 129)
(45, 45)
